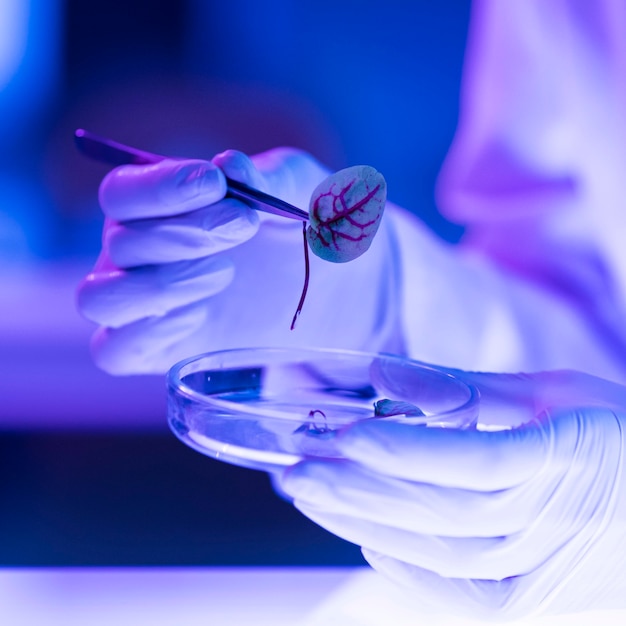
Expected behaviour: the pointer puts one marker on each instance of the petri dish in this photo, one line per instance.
(268, 408)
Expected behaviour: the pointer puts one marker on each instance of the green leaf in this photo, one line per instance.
(387, 408)
(345, 212)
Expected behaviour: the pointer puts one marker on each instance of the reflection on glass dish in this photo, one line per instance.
(267, 408)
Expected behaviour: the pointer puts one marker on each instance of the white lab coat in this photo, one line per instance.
(537, 172)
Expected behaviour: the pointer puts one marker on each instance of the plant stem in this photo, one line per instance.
(306, 277)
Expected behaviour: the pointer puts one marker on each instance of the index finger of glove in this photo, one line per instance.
(169, 187)
(468, 459)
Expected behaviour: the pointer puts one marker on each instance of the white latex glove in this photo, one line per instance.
(181, 271)
(489, 523)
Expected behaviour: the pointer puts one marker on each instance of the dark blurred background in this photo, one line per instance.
(89, 473)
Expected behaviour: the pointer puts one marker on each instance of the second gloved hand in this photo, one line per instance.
(489, 523)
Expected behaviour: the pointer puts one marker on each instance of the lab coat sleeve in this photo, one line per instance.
(460, 309)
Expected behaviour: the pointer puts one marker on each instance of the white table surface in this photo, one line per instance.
(223, 596)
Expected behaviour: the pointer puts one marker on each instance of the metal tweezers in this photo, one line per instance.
(114, 153)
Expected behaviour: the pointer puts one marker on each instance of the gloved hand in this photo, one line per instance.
(525, 514)
(173, 278)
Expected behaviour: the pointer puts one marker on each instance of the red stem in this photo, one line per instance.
(306, 278)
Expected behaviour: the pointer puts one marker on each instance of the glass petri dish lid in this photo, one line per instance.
(268, 408)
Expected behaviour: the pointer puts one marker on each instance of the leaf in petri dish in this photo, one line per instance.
(387, 408)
